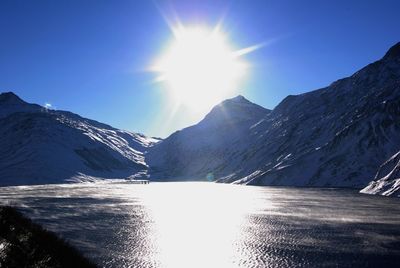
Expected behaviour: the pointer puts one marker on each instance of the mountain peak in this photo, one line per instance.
(10, 103)
(393, 52)
(238, 102)
(237, 99)
(10, 98)
(236, 109)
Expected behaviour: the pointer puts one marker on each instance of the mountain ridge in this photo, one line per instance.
(41, 145)
(325, 133)
(337, 136)
(231, 116)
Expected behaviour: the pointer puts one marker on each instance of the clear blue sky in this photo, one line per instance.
(90, 57)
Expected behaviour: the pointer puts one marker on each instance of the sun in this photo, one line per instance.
(200, 67)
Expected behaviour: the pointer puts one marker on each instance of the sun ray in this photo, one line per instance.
(200, 67)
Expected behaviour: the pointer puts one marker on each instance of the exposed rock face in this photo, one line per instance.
(387, 179)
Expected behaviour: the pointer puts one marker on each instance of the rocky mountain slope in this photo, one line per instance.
(387, 179)
(38, 146)
(203, 150)
(335, 136)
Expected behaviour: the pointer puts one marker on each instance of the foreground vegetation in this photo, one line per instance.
(26, 244)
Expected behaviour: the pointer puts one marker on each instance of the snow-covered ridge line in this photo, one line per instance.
(40, 145)
(336, 136)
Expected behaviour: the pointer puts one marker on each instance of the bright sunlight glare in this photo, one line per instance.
(200, 68)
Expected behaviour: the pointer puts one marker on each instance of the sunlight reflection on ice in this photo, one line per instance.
(218, 212)
(201, 224)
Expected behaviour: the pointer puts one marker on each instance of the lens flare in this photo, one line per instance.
(200, 67)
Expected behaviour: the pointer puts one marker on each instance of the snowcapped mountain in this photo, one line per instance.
(200, 151)
(39, 145)
(334, 136)
(337, 136)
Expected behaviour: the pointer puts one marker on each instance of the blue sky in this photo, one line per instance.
(90, 57)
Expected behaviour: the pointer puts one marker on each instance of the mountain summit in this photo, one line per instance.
(233, 111)
(195, 152)
(10, 98)
(11, 103)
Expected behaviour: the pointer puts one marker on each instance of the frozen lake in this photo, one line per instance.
(191, 224)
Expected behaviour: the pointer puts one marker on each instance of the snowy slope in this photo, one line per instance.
(334, 136)
(200, 151)
(45, 146)
(387, 179)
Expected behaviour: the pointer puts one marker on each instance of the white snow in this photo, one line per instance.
(334, 136)
(47, 146)
(387, 179)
